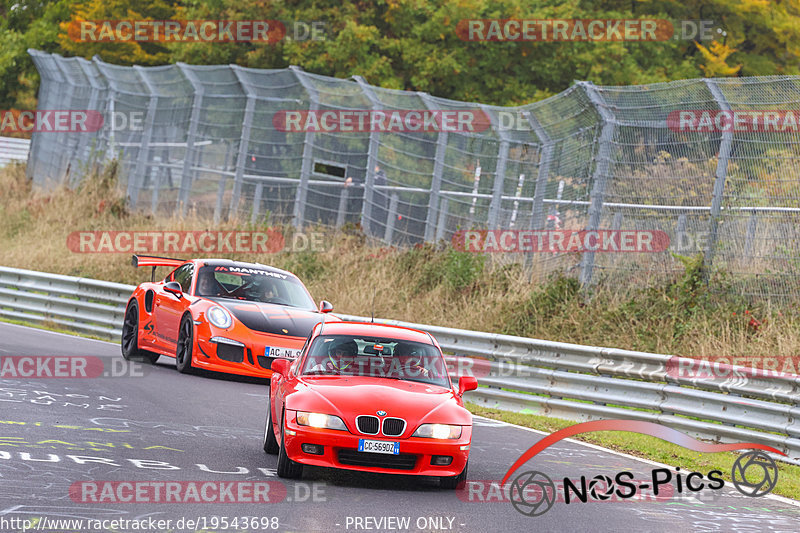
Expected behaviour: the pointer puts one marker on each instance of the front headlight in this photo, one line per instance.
(438, 431)
(219, 317)
(319, 420)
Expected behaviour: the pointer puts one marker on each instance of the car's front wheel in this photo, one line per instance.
(130, 337)
(454, 482)
(183, 352)
(286, 467)
(270, 442)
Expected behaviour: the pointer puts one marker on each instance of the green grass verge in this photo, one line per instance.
(52, 327)
(647, 447)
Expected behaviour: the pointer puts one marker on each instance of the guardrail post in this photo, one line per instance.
(499, 176)
(600, 175)
(721, 173)
(391, 219)
(368, 222)
(301, 197)
(136, 181)
(244, 141)
(546, 150)
(436, 180)
(189, 155)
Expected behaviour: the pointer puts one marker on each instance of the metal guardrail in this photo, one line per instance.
(84, 305)
(12, 149)
(515, 373)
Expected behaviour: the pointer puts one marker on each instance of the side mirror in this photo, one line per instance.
(174, 288)
(280, 366)
(325, 306)
(466, 383)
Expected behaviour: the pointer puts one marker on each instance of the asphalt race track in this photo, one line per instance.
(161, 426)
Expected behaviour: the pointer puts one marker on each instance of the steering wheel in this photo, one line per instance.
(240, 289)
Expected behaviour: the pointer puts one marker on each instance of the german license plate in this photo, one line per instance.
(379, 446)
(275, 351)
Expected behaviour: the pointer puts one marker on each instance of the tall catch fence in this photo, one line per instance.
(204, 138)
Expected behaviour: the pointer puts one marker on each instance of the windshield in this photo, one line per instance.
(376, 357)
(252, 284)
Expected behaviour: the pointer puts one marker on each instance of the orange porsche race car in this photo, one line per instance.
(220, 315)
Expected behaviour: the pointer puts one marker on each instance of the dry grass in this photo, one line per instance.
(425, 285)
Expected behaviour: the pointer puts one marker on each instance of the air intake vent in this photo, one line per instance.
(368, 424)
(392, 427)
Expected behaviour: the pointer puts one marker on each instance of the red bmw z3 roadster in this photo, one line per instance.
(369, 397)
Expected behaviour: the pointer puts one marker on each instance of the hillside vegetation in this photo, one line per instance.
(428, 284)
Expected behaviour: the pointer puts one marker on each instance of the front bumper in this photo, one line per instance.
(246, 360)
(335, 441)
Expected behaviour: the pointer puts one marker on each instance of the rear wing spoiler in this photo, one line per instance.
(154, 261)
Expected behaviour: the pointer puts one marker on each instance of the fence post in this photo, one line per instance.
(343, 196)
(93, 105)
(220, 195)
(368, 205)
(440, 226)
(64, 137)
(434, 197)
(189, 154)
(391, 219)
(750, 238)
(244, 140)
(545, 158)
(257, 202)
(720, 176)
(143, 157)
(301, 196)
(499, 176)
(600, 175)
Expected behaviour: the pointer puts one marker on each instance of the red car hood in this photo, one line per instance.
(348, 397)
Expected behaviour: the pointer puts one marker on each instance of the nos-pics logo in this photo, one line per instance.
(533, 493)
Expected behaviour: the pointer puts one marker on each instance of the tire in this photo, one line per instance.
(454, 482)
(286, 467)
(270, 442)
(185, 347)
(129, 342)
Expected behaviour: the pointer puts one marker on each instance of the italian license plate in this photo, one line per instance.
(275, 351)
(378, 446)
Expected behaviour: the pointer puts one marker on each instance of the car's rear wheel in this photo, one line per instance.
(130, 337)
(454, 482)
(286, 467)
(270, 442)
(185, 348)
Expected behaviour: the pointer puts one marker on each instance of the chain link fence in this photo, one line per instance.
(203, 138)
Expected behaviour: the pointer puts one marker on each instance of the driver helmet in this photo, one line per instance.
(341, 353)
